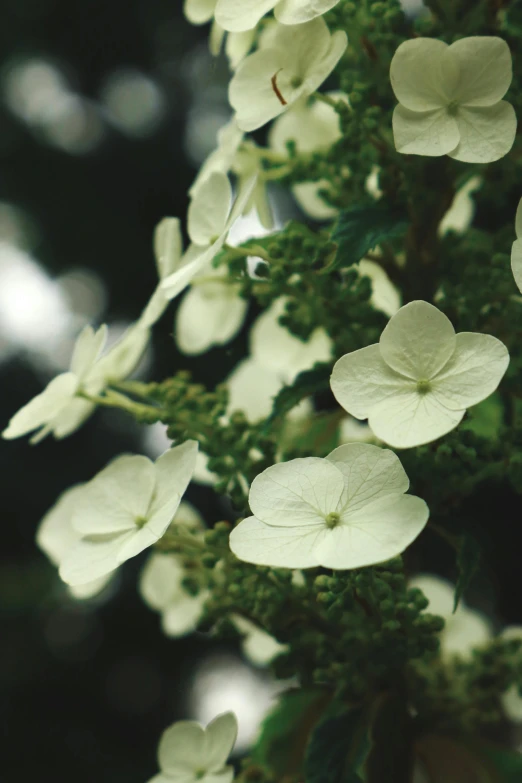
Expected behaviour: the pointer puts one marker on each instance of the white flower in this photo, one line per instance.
(459, 216)
(55, 410)
(237, 15)
(252, 388)
(211, 215)
(450, 98)
(246, 166)
(415, 384)
(211, 313)
(258, 646)
(126, 508)
(229, 139)
(189, 753)
(346, 511)
(272, 79)
(385, 297)
(161, 584)
(463, 630)
(56, 536)
(516, 250)
(511, 699)
(313, 127)
(168, 250)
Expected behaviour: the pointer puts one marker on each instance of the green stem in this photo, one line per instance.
(245, 252)
(114, 399)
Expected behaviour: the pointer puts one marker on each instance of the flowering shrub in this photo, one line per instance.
(395, 678)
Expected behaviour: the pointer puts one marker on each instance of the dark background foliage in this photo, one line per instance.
(86, 689)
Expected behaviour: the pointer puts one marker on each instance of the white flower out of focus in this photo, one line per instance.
(211, 214)
(189, 753)
(239, 15)
(450, 98)
(346, 511)
(463, 630)
(126, 508)
(516, 250)
(257, 645)
(161, 583)
(56, 536)
(168, 251)
(296, 63)
(312, 126)
(416, 383)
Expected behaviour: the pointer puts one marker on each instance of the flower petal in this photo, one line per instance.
(209, 209)
(93, 558)
(252, 388)
(220, 737)
(410, 419)
(362, 379)
(279, 547)
(44, 407)
(429, 133)
(297, 493)
(486, 70)
(370, 472)
(199, 11)
(375, 533)
(516, 262)
(181, 747)
(87, 349)
(300, 11)
(203, 321)
(418, 341)
(423, 74)
(239, 15)
(168, 246)
(173, 472)
(473, 372)
(487, 133)
(115, 498)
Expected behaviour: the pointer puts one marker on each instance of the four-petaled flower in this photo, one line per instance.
(450, 98)
(346, 511)
(416, 383)
(189, 753)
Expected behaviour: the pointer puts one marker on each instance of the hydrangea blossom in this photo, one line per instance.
(211, 215)
(516, 250)
(168, 250)
(126, 508)
(415, 384)
(463, 630)
(450, 98)
(313, 127)
(258, 646)
(459, 216)
(161, 584)
(56, 536)
(346, 511)
(229, 139)
(269, 81)
(189, 753)
(238, 15)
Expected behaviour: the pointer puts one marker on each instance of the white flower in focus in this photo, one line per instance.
(211, 313)
(463, 630)
(258, 646)
(459, 216)
(189, 753)
(511, 699)
(55, 410)
(346, 511)
(168, 250)
(211, 215)
(313, 127)
(516, 250)
(126, 508)
(450, 98)
(238, 15)
(272, 79)
(161, 584)
(56, 537)
(415, 384)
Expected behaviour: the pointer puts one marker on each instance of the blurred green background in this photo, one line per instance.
(106, 111)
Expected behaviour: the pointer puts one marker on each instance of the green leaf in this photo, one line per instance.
(507, 764)
(485, 419)
(446, 760)
(468, 560)
(339, 748)
(304, 385)
(360, 229)
(285, 731)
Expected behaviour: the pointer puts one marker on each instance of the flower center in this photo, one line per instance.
(453, 108)
(140, 521)
(423, 387)
(200, 774)
(296, 82)
(332, 519)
